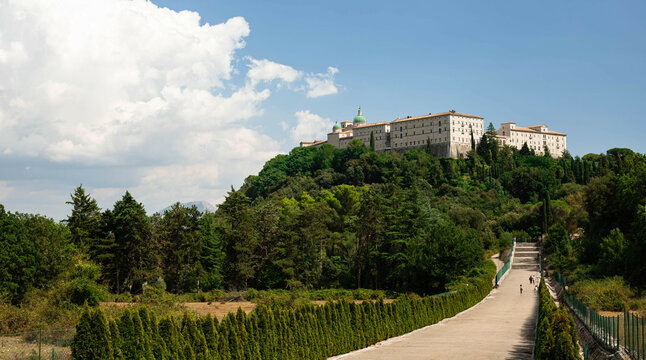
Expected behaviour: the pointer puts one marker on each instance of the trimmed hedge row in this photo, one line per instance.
(306, 332)
(556, 333)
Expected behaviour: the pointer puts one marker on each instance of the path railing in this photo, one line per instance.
(39, 344)
(501, 273)
(626, 330)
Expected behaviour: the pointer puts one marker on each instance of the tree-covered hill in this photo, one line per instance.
(322, 217)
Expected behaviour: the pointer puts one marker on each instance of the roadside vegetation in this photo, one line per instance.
(328, 224)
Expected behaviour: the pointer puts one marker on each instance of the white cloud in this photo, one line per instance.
(321, 84)
(123, 94)
(309, 126)
(265, 70)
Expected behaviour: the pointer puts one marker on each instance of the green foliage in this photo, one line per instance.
(178, 232)
(608, 294)
(304, 332)
(555, 335)
(92, 339)
(85, 221)
(34, 250)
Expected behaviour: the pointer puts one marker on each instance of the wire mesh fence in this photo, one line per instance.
(37, 345)
(626, 330)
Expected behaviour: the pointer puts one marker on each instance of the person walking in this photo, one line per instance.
(535, 289)
(521, 289)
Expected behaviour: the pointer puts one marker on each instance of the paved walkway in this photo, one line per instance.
(502, 326)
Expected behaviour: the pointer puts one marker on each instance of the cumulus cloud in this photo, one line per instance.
(146, 91)
(309, 126)
(265, 70)
(321, 84)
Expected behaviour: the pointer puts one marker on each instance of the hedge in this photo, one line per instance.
(305, 332)
(556, 332)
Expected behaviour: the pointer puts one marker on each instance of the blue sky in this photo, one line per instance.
(576, 66)
(147, 97)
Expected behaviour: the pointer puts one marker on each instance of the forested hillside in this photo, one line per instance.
(322, 217)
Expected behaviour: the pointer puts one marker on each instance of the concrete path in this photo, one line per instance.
(502, 326)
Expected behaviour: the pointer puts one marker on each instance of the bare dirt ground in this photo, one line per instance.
(219, 309)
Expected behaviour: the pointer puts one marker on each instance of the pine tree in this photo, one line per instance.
(136, 252)
(85, 221)
(178, 231)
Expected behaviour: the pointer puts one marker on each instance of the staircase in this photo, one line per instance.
(526, 256)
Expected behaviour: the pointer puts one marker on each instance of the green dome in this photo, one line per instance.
(359, 119)
(336, 127)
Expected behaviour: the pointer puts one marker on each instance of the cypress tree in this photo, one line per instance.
(210, 335)
(146, 331)
(115, 338)
(101, 344)
(130, 339)
(92, 339)
(142, 341)
(235, 345)
(372, 141)
(252, 350)
(158, 345)
(188, 351)
(193, 335)
(239, 320)
(82, 343)
(223, 344)
(169, 332)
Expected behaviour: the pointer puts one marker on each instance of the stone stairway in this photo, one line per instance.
(526, 256)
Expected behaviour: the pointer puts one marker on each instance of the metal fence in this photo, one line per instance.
(626, 330)
(40, 344)
(507, 265)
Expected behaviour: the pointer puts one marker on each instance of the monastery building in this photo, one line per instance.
(449, 134)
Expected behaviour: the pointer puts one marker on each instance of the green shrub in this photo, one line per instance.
(608, 294)
(84, 290)
(556, 333)
(303, 331)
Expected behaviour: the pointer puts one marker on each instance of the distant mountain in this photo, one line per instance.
(202, 206)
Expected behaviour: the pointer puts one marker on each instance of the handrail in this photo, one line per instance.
(503, 270)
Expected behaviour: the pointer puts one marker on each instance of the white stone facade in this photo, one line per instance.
(449, 134)
(537, 138)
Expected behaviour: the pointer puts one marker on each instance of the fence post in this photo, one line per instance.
(616, 332)
(585, 352)
(40, 331)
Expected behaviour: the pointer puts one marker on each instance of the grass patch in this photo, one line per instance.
(608, 294)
